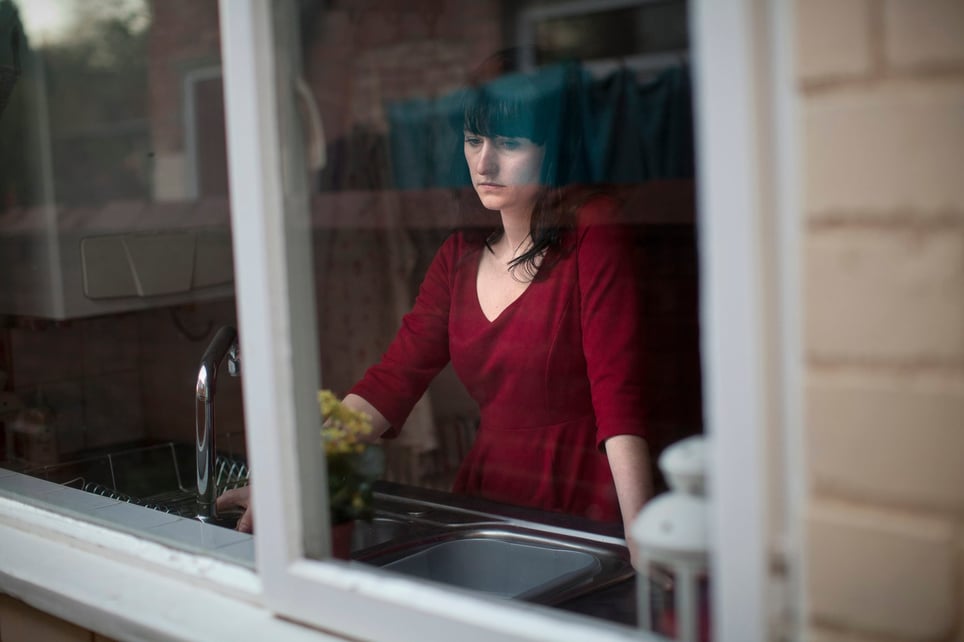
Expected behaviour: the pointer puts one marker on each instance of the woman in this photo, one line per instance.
(539, 319)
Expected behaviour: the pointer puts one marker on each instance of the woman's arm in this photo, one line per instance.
(611, 314)
(358, 403)
(419, 351)
(629, 461)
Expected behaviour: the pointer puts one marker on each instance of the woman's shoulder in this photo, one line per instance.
(600, 226)
(460, 244)
(599, 209)
(596, 210)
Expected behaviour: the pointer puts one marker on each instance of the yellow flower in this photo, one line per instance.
(344, 430)
(354, 463)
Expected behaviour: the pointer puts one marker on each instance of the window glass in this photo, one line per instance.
(501, 389)
(116, 253)
(422, 131)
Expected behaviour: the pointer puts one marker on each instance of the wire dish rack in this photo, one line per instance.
(161, 476)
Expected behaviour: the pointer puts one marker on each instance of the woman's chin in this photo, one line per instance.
(492, 201)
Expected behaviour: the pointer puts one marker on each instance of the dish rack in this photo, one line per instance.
(159, 476)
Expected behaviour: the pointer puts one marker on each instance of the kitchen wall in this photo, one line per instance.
(81, 378)
(114, 379)
(881, 86)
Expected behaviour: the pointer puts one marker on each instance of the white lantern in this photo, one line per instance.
(672, 544)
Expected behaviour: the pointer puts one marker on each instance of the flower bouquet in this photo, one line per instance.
(354, 463)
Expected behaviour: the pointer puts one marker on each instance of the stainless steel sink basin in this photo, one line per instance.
(503, 555)
(506, 562)
(497, 565)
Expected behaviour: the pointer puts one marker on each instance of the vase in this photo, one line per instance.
(341, 540)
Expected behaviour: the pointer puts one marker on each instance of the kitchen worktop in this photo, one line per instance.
(424, 510)
(166, 527)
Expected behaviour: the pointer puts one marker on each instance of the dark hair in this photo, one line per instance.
(536, 107)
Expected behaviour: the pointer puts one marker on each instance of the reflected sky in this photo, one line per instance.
(53, 21)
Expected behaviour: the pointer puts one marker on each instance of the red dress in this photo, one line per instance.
(555, 374)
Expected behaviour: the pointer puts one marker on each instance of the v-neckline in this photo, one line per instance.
(478, 300)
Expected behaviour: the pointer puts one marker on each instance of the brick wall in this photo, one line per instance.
(184, 37)
(881, 86)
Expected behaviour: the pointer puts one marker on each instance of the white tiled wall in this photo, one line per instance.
(119, 378)
(85, 372)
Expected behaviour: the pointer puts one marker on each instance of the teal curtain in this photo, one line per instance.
(620, 130)
(426, 142)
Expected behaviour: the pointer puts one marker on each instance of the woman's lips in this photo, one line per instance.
(489, 186)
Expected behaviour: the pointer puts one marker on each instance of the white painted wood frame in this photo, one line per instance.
(749, 226)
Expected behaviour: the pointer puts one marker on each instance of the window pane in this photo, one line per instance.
(503, 389)
(116, 249)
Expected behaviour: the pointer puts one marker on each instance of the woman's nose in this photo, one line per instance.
(486, 163)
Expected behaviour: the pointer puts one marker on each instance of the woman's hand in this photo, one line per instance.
(238, 498)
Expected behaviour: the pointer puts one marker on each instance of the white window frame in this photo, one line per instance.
(749, 240)
(750, 229)
(192, 163)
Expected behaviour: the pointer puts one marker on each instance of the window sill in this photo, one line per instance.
(122, 585)
(181, 532)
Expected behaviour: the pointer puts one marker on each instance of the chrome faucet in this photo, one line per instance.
(225, 342)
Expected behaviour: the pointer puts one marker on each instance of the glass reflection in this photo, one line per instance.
(116, 250)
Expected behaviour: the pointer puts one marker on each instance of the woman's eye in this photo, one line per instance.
(510, 143)
(473, 141)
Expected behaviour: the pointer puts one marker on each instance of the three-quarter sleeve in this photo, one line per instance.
(419, 350)
(610, 314)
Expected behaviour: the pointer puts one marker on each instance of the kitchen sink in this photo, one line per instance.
(493, 563)
(503, 562)
(501, 551)
(506, 562)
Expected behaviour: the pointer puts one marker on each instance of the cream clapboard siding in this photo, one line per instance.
(881, 85)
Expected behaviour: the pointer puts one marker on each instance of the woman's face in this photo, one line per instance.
(505, 170)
